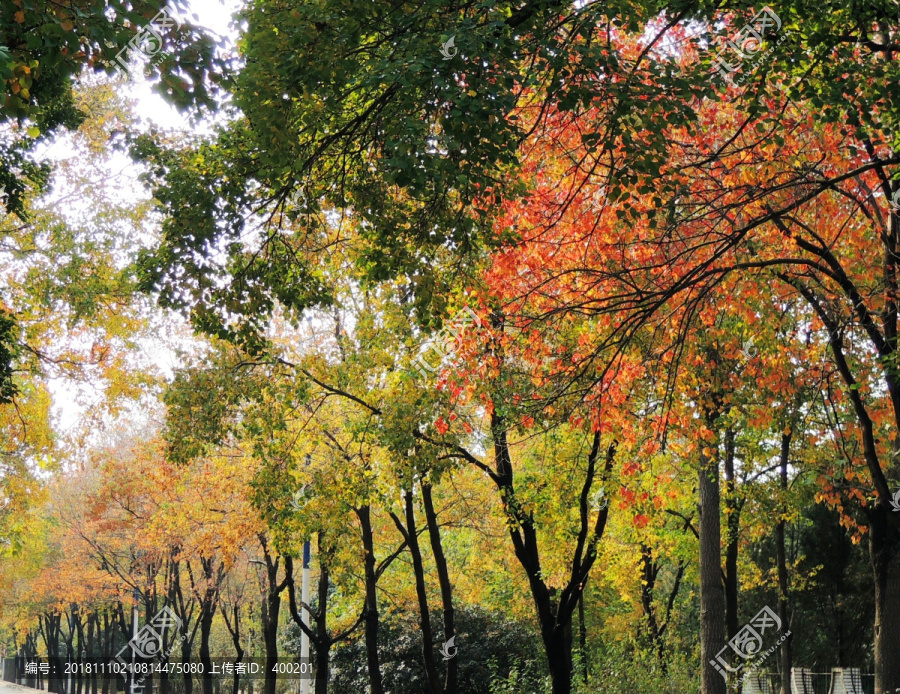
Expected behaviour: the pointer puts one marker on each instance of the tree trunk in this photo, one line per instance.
(376, 685)
(732, 525)
(440, 561)
(582, 639)
(884, 548)
(107, 642)
(712, 591)
(271, 606)
(412, 542)
(89, 648)
(783, 586)
(649, 572)
(234, 629)
(324, 641)
(206, 619)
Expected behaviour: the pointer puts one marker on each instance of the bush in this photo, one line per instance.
(494, 653)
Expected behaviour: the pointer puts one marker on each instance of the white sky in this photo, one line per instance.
(215, 15)
(71, 401)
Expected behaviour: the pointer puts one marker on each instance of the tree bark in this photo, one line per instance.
(783, 585)
(234, 629)
(732, 525)
(324, 642)
(712, 591)
(440, 561)
(582, 639)
(884, 549)
(411, 535)
(376, 685)
(271, 607)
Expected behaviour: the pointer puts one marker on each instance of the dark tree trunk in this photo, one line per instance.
(90, 650)
(208, 597)
(51, 633)
(323, 642)
(582, 639)
(884, 549)
(783, 585)
(79, 648)
(107, 641)
(712, 591)
(440, 561)
(732, 525)
(271, 607)
(411, 536)
(206, 619)
(233, 625)
(376, 685)
(649, 572)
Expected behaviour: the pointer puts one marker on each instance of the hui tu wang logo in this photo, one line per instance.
(747, 644)
(748, 350)
(895, 201)
(448, 650)
(448, 48)
(300, 498)
(895, 501)
(599, 501)
(148, 643)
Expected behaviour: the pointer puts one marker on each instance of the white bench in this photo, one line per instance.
(757, 684)
(846, 680)
(801, 681)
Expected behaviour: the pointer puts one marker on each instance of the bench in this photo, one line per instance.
(846, 680)
(757, 684)
(801, 681)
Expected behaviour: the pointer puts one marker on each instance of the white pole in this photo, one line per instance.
(304, 639)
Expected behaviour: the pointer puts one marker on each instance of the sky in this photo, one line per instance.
(215, 15)
(71, 401)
